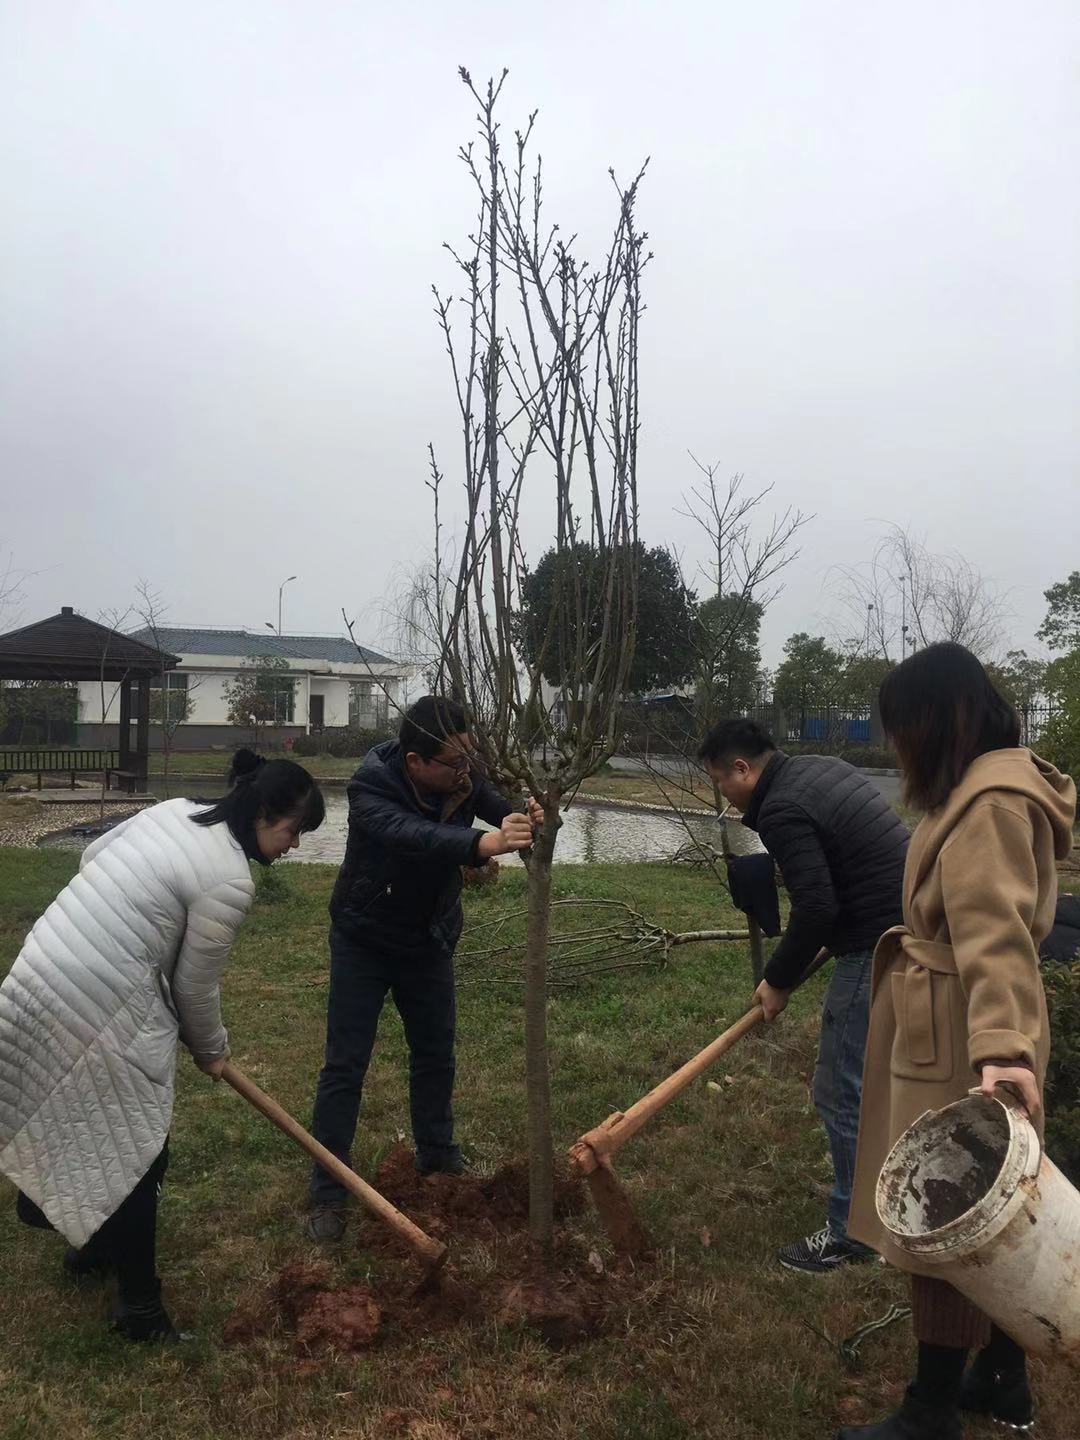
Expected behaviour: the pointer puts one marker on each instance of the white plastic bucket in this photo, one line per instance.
(969, 1189)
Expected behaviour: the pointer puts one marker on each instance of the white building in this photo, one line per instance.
(327, 686)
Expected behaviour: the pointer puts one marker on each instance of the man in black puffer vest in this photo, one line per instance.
(840, 848)
(395, 922)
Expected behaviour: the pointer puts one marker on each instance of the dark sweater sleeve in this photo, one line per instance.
(490, 804)
(794, 844)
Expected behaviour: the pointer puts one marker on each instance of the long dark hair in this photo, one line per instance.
(941, 711)
(262, 789)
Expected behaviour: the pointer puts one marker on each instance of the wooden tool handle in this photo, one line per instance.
(617, 1129)
(432, 1251)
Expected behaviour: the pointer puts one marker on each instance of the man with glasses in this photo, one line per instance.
(395, 922)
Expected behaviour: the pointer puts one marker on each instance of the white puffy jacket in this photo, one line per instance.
(126, 959)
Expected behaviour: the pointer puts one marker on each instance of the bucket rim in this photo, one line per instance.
(981, 1222)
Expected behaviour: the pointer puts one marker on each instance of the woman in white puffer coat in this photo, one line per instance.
(123, 964)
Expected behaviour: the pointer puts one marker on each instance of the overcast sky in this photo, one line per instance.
(221, 222)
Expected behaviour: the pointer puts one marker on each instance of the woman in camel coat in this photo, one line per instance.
(956, 998)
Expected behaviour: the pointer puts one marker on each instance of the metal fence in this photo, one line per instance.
(1033, 722)
(672, 723)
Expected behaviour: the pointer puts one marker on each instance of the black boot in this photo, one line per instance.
(915, 1420)
(1004, 1394)
(145, 1319)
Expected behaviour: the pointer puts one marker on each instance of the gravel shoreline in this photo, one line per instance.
(55, 819)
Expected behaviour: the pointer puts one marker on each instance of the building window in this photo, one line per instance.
(284, 702)
(369, 707)
(173, 704)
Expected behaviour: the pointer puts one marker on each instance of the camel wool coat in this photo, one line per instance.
(958, 984)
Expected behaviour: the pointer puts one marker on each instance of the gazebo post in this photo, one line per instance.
(142, 735)
(124, 737)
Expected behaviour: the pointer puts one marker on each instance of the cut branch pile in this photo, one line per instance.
(611, 936)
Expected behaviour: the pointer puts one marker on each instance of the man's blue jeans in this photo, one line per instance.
(845, 1020)
(423, 991)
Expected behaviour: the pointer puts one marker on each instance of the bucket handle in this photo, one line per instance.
(1006, 1093)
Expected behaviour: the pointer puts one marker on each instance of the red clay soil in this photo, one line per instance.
(564, 1302)
(464, 1207)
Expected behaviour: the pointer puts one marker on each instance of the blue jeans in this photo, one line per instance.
(845, 1020)
(423, 991)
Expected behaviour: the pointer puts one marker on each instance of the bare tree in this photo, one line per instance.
(908, 596)
(545, 374)
(11, 592)
(173, 705)
(112, 620)
(744, 561)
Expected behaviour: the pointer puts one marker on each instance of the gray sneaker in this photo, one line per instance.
(326, 1223)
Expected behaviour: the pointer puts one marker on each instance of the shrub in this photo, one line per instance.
(1063, 1075)
(1060, 741)
(340, 744)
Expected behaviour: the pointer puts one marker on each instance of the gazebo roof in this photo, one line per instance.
(71, 647)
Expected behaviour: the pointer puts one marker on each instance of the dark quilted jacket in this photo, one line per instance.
(399, 888)
(840, 847)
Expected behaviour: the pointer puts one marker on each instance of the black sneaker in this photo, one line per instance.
(821, 1252)
(326, 1223)
(1003, 1395)
(915, 1420)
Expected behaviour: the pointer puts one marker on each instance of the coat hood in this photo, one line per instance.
(1023, 773)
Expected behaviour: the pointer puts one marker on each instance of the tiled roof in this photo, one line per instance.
(326, 648)
(69, 646)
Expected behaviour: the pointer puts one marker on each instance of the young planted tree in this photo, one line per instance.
(543, 350)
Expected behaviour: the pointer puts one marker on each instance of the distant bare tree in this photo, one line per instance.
(545, 374)
(171, 707)
(113, 619)
(908, 596)
(744, 561)
(11, 592)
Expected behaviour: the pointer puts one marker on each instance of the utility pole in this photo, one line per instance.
(281, 587)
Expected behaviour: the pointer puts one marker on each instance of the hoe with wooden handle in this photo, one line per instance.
(431, 1252)
(592, 1155)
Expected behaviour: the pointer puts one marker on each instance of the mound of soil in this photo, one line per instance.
(464, 1206)
(564, 1302)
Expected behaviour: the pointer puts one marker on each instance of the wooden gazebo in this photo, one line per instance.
(69, 647)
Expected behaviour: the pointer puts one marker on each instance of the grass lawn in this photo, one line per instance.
(216, 762)
(715, 1340)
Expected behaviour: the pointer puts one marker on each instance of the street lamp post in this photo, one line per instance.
(904, 624)
(281, 587)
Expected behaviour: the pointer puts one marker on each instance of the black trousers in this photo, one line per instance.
(128, 1238)
(423, 991)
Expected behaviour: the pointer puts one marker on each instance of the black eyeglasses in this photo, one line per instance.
(465, 761)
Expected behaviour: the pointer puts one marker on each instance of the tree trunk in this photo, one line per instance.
(537, 1069)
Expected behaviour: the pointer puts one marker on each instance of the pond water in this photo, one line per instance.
(590, 835)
